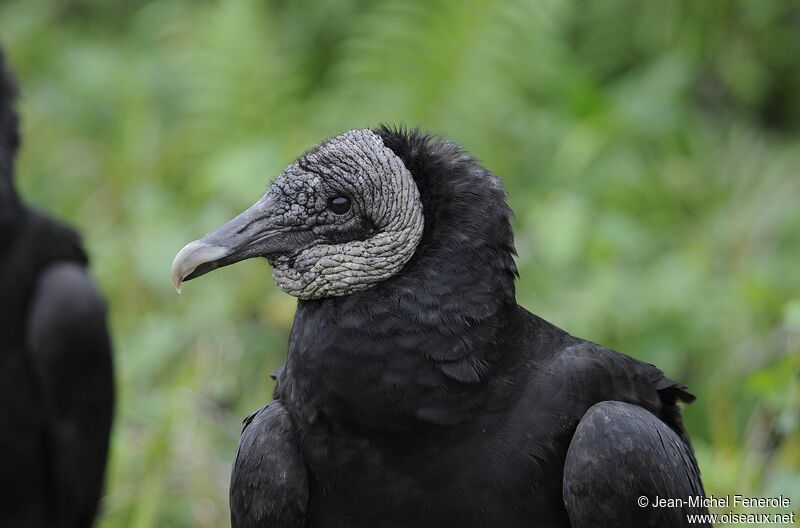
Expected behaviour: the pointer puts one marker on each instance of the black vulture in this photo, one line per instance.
(416, 391)
(56, 386)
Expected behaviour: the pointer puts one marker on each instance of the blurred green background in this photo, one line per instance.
(650, 150)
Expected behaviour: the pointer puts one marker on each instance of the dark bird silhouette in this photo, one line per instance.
(416, 392)
(56, 388)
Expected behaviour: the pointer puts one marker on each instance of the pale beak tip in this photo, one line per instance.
(194, 254)
(177, 283)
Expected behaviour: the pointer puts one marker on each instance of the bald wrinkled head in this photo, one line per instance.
(340, 219)
(365, 245)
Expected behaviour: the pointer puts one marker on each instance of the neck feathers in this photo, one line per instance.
(467, 237)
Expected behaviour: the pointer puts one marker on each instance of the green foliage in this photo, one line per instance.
(650, 150)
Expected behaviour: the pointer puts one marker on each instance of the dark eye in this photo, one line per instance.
(339, 204)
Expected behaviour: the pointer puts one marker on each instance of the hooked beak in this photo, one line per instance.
(253, 233)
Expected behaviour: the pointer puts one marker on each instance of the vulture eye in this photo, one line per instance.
(339, 204)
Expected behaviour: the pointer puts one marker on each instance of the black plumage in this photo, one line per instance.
(431, 399)
(56, 386)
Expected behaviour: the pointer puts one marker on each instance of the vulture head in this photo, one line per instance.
(352, 212)
(341, 218)
(9, 142)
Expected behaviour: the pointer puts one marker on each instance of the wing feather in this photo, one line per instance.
(71, 354)
(619, 453)
(269, 484)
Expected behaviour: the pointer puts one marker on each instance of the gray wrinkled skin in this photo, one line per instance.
(381, 189)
